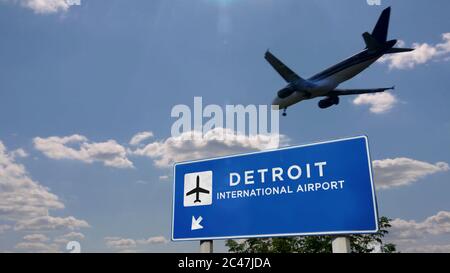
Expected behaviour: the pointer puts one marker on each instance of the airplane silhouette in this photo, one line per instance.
(325, 83)
(197, 191)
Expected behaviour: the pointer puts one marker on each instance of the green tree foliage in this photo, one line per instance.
(360, 243)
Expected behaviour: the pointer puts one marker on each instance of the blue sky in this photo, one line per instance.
(93, 76)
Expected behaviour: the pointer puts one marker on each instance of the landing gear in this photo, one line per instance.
(284, 112)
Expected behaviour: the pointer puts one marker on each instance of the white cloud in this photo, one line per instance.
(127, 251)
(187, 146)
(422, 54)
(140, 137)
(194, 145)
(125, 245)
(46, 6)
(26, 205)
(77, 147)
(36, 238)
(51, 223)
(63, 239)
(4, 228)
(37, 247)
(164, 177)
(429, 249)
(411, 235)
(379, 102)
(19, 153)
(153, 240)
(20, 196)
(120, 243)
(403, 171)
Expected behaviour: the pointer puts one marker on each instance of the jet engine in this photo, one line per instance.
(328, 102)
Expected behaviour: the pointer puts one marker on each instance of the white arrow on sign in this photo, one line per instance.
(196, 223)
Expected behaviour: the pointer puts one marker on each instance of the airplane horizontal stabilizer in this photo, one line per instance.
(398, 50)
(371, 42)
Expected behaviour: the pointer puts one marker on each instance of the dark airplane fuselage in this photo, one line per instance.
(197, 197)
(327, 80)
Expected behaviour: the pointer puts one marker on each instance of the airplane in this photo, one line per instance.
(197, 191)
(324, 83)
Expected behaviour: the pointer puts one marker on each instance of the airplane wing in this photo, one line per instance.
(196, 190)
(202, 190)
(284, 71)
(343, 92)
(191, 192)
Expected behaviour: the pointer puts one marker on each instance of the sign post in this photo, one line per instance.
(341, 245)
(206, 246)
(316, 189)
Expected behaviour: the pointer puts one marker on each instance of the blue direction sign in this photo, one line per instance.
(316, 189)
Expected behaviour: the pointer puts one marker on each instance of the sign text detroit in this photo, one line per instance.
(278, 174)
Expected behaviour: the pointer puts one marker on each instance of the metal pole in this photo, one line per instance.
(341, 245)
(206, 246)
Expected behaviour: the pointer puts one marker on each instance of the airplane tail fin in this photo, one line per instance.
(378, 39)
(380, 30)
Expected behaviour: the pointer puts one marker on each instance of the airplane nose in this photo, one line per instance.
(276, 104)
